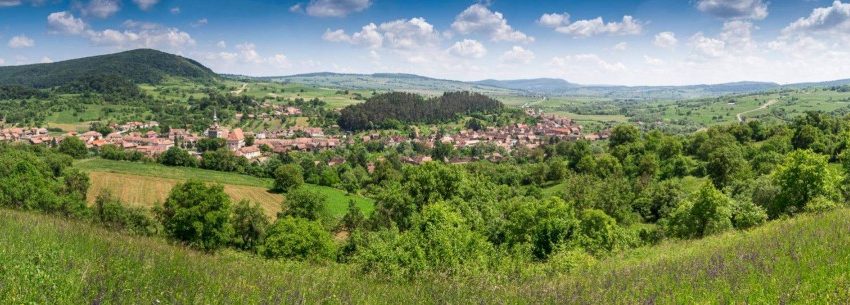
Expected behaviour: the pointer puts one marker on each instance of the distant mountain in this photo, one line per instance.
(388, 82)
(531, 85)
(137, 66)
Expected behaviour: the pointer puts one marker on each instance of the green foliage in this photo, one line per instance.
(27, 182)
(198, 215)
(175, 156)
(299, 239)
(543, 224)
(77, 183)
(287, 177)
(303, 203)
(353, 218)
(746, 214)
(73, 147)
(821, 204)
(802, 177)
(599, 234)
(249, 225)
(110, 212)
(392, 109)
(706, 212)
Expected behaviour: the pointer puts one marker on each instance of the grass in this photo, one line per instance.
(44, 259)
(131, 181)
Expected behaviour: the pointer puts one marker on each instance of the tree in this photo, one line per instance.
(299, 239)
(803, 176)
(175, 156)
(77, 183)
(249, 225)
(726, 165)
(623, 134)
(73, 147)
(706, 212)
(303, 203)
(110, 212)
(198, 215)
(354, 217)
(599, 233)
(543, 224)
(207, 144)
(287, 177)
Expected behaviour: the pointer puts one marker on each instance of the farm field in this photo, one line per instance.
(133, 182)
(800, 260)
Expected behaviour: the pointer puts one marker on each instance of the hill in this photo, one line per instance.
(46, 259)
(388, 82)
(138, 66)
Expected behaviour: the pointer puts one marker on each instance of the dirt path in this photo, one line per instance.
(240, 90)
(762, 107)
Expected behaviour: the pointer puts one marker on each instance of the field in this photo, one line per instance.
(144, 184)
(44, 259)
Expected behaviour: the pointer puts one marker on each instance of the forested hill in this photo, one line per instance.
(390, 109)
(137, 66)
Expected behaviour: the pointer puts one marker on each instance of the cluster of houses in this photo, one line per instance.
(131, 136)
(275, 111)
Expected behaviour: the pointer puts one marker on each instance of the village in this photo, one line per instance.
(257, 146)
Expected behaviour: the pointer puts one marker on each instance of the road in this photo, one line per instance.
(770, 102)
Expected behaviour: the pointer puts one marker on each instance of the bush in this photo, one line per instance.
(198, 215)
(249, 225)
(820, 204)
(175, 156)
(746, 215)
(73, 147)
(566, 260)
(599, 233)
(803, 176)
(299, 239)
(303, 203)
(113, 214)
(287, 177)
(706, 212)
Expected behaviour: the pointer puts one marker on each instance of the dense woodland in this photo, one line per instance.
(391, 110)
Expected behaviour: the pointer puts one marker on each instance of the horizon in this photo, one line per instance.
(629, 43)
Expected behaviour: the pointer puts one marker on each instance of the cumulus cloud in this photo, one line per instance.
(10, 3)
(517, 55)
(590, 27)
(21, 41)
(468, 48)
(100, 8)
(652, 61)
(134, 35)
(246, 54)
(734, 9)
(65, 23)
(585, 64)
(221, 44)
(332, 8)
(832, 19)
(665, 40)
(707, 46)
(478, 18)
(46, 60)
(734, 40)
(398, 34)
(145, 4)
(622, 46)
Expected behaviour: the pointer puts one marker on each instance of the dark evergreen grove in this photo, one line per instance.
(391, 109)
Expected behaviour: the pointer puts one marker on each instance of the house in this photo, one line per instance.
(236, 139)
(249, 152)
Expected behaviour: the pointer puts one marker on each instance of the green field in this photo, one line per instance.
(48, 260)
(336, 205)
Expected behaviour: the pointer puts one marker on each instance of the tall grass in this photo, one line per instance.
(48, 260)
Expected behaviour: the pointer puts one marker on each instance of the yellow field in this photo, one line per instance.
(146, 191)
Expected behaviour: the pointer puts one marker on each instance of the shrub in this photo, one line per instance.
(820, 204)
(111, 213)
(303, 203)
(198, 215)
(175, 156)
(746, 215)
(299, 239)
(287, 177)
(73, 147)
(566, 260)
(706, 212)
(803, 176)
(249, 225)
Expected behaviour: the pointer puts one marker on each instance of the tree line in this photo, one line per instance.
(390, 110)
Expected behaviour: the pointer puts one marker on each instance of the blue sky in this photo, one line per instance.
(649, 42)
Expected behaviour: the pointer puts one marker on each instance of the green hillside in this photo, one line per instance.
(44, 259)
(138, 66)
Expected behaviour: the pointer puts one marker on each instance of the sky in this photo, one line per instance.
(628, 42)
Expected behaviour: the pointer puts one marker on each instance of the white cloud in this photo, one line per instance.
(175, 10)
(738, 34)
(622, 46)
(296, 8)
(665, 40)
(734, 9)
(221, 44)
(200, 22)
(586, 62)
(652, 61)
(832, 19)
(100, 8)
(468, 48)
(2, 61)
(135, 35)
(398, 34)
(707, 46)
(46, 60)
(145, 4)
(554, 20)
(65, 23)
(478, 18)
(333, 8)
(10, 3)
(21, 41)
(591, 27)
(517, 55)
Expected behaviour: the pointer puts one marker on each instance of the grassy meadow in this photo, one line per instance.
(145, 184)
(45, 259)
